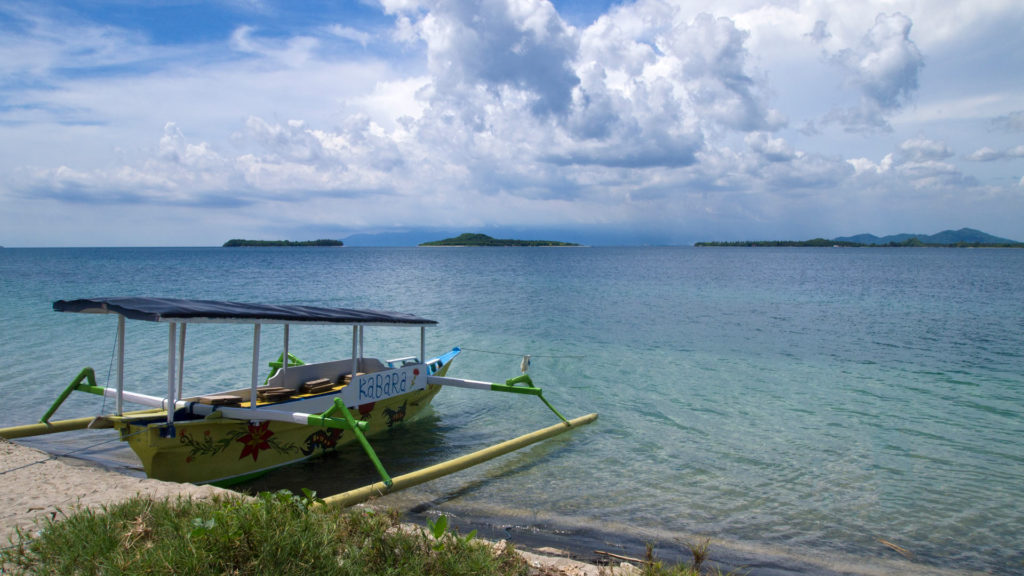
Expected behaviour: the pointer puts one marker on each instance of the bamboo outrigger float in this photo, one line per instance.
(301, 411)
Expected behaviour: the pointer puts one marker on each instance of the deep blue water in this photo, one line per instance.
(797, 406)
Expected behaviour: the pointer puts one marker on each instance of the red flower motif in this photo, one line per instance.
(256, 440)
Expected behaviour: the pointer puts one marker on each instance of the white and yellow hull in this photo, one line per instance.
(217, 450)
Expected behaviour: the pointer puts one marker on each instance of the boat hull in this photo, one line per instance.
(225, 451)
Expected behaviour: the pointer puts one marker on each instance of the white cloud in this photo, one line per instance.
(988, 154)
(884, 68)
(519, 45)
(985, 154)
(293, 52)
(922, 149)
(772, 149)
(363, 38)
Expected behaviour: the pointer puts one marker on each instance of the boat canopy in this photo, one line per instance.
(179, 310)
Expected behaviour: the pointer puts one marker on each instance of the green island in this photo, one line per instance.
(963, 238)
(825, 243)
(816, 242)
(240, 243)
(485, 240)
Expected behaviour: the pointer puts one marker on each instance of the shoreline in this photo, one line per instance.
(36, 485)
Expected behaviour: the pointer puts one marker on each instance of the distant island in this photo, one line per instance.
(485, 240)
(963, 238)
(239, 243)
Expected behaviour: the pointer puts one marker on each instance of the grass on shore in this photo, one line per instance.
(274, 533)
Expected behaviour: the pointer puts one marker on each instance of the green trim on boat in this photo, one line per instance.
(356, 426)
(529, 389)
(86, 374)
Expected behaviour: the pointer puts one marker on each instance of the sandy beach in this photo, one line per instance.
(35, 486)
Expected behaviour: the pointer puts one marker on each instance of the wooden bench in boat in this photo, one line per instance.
(323, 376)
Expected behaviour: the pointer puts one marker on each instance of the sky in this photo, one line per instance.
(187, 123)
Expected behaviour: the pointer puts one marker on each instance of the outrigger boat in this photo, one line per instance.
(300, 411)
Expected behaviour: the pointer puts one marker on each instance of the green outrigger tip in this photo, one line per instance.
(510, 385)
(90, 386)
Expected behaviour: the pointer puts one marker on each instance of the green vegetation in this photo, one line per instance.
(238, 242)
(485, 240)
(275, 533)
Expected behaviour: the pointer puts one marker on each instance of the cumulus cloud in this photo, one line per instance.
(920, 163)
(771, 149)
(498, 44)
(987, 154)
(923, 149)
(656, 82)
(884, 68)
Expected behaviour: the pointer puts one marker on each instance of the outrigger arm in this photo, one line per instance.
(510, 385)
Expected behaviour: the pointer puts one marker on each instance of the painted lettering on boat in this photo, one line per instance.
(380, 385)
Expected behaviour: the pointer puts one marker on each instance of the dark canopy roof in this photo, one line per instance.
(181, 310)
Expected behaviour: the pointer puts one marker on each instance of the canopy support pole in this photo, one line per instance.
(172, 333)
(181, 360)
(284, 357)
(355, 351)
(255, 364)
(119, 402)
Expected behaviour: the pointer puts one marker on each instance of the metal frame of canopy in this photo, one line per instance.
(180, 311)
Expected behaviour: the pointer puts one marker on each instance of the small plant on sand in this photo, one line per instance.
(439, 530)
(650, 566)
(700, 553)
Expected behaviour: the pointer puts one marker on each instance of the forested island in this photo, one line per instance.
(963, 238)
(816, 242)
(485, 240)
(240, 243)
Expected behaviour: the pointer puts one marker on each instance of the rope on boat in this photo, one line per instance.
(110, 368)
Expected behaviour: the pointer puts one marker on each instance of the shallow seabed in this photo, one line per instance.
(803, 408)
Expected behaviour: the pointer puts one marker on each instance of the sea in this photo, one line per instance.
(801, 410)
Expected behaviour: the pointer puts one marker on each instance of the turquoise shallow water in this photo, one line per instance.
(795, 405)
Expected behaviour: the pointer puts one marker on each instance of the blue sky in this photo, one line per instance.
(188, 123)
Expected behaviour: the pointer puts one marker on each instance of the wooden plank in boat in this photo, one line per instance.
(317, 386)
(220, 399)
(271, 393)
